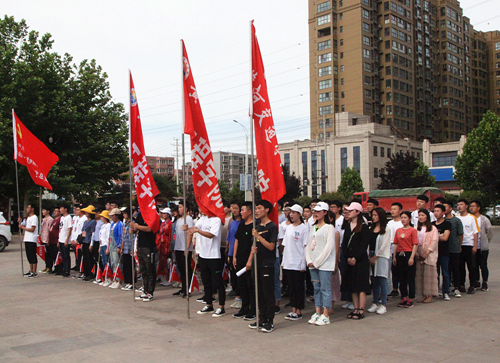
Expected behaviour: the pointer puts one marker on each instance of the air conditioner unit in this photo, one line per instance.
(382, 116)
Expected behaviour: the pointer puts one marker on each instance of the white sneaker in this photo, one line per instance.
(323, 320)
(127, 287)
(346, 305)
(166, 283)
(115, 285)
(314, 318)
(373, 308)
(229, 288)
(381, 309)
(351, 306)
(143, 296)
(97, 281)
(457, 293)
(446, 297)
(236, 304)
(107, 283)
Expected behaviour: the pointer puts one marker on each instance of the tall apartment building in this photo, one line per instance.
(415, 65)
(161, 165)
(228, 166)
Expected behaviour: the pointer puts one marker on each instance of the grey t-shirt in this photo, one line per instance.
(456, 230)
(180, 239)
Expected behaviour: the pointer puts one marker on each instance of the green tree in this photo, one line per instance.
(292, 184)
(405, 171)
(166, 185)
(477, 168)
(333, 196)
(67, 106)
(350, 183)
(304, 201)
(236, 194)
(224, 189)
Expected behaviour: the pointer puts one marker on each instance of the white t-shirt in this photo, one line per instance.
(78, 223)
(31, 222)
(295, 242)
(338, 226)
(104, 234)
(180, 241)
(65, 228)
(414, 217)
(470, 229)
(209, 248)
(310, 221)
(394, 226)
(281, 234)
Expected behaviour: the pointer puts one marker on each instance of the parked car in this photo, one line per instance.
(489, 212)
(5, 234)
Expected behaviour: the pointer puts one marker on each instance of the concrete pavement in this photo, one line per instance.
(52, 319)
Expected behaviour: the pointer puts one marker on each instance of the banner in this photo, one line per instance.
(32, 153)
(145, 186)
(270, 173)
(206, 187)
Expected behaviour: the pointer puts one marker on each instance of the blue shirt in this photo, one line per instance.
(127, 239)
(117, 230)
(88, 228)
(233, 227)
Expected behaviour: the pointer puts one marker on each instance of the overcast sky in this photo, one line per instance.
(143, 36)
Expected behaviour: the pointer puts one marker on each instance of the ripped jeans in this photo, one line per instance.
(322, 282)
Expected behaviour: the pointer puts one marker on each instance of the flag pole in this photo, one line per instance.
(17, 189)
(40, 213)
(186, 247)
(132, 250)
(252, 178)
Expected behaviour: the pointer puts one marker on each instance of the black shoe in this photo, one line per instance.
(66, 275)
(87, 279)
(277, 310)
(289, 305)
(394, 293)
(27, 274)
(178, 293)
(207, 309)
(461, 289)
(75, 268)
(484, 286)
(267, 328)
(239, 315)
(477, 285)
(254, 325)
(250, 317)
(58, 273)
(185, 296)
(471, 290)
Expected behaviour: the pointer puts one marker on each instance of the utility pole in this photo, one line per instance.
(176, 160)
(325, 172)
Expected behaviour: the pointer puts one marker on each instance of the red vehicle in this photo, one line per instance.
(407, 197)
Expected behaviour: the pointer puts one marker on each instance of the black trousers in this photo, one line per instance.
(395, 278)
(246, 287)
(127, 268)
(50, 255)
(148, 269)
(87, 262)
(454, 268)
(181, 264)
(482, 265)
(211, 276)
(467, 258)
(66, 264)
(94, 257)
(296, 288)
(232, 276)
(30, 248)
(406, 275)
(265, 283)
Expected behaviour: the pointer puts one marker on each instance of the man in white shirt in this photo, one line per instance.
(484, 238)
(394, 225)
(469, 246)
(422, 201)
(65, 228)
(30, 237)
(78, 221)
(210, 262)
(181, 225)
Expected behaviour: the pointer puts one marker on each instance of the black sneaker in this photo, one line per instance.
(206, 309)
(87, 279)
(461, 289)
(178, 293)
(201, 300)
(394, 293)
(149, 297)
(471, 290)
(268, 328)
(277, 310)
(219, 312)
(477, 285)
(27, 274)
(33, 275)
(254, 325)
(484, 286)
(409, 304)
(239, 315)
(250, 317)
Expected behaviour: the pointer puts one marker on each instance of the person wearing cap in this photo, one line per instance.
(294, 261)
(126, 251)
(94, 247)
(371, 204)
(87, 231)
(103, 244)
(356, 277)
(163, 242)
(422, 201)
(115, 242)
(322, 261)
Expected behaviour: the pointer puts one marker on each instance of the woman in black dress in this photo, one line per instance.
(356, 277)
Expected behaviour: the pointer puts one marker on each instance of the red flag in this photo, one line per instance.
(194, 283)
(40, 251)
(174, 276)
(206, 187)
(225, 274)
(145, 186)
(98, 275)
(193, 263)
(32, 153)
(81, 265)
(118, 274)
(270, 173)
(58, 259)
(93, 269)
(107, 273)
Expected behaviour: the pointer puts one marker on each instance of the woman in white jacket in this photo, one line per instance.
(380, 261)
(321, 259)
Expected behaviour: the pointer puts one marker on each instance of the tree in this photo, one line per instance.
(236, 194)
(332, 196)
(350, 183)
(292, 185)
(304, 201)
(478, 165)
(166, 185)
(67, 106)
(405, 171)
(224, 189)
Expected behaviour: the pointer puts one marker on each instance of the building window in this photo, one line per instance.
(314, 173)
(375, 151)
(343, 159)
(323, 6)
(375, 172)
(366, 14)
(341, 68)
(322, 58)
(444, 158)
(324, 19)
(325, 84)
(287, 160)
(323, 97)
(342, 108)
(389, 152)
(304, 170)
(366, 27)
(366, 53)
(382, 152)
(324, 71)
(341, 28)
(325, 110)
(342, 94)
(324, 45)
(366, 40)
(357, 158)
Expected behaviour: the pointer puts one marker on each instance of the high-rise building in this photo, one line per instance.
(161, 165)
(228, 166)
(415, 65)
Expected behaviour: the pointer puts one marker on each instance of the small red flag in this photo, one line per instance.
(225, 274)
(118, 274)
(174, 276)
(93, 269)
(98, 275)
(40, 251)
(107, 273)
(81, 265)
(193, 263)
(194, 283)
(58, 259)
(32, 153)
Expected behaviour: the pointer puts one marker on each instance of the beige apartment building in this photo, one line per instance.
(417, 66)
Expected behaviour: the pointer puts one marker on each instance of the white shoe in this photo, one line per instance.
(351, 306)
(107, 283)
(115, 285)
(229, 288)
(236, 304)
(141, 297)
(346, 305)
(166, 283)
(446, 297)
(381, 309)
(127, 287)
(373, 308)
(314, 318)
(457, 293)
(97, 281)
(323, 320)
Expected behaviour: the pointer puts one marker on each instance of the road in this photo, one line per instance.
(52, 319)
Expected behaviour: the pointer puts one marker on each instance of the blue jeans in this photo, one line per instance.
(443, 266)
(104, 256)
(379, 288)
(277, 282)
(322, 282)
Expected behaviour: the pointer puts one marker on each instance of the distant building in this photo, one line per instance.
(228, 166)
(161, 165)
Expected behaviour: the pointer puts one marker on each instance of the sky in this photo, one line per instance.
(144, 36)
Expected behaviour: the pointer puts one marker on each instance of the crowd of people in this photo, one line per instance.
(326, 253)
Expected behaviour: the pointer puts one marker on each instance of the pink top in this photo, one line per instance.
(429, 242)
(46, 222)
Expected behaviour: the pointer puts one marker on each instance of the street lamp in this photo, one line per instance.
(246, 160)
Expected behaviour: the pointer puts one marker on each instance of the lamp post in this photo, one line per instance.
(247, 195)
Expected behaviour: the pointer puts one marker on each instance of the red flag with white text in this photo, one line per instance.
(194, 284)
(58, 259)
(32, 153)
(145, 186)
(206, 187)
(40, 251)
(270, 173)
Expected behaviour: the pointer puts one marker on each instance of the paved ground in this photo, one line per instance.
(51, 319)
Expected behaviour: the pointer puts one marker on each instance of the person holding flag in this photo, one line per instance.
(87, 232)
(30, 228)
(65, 227)
(103, 245)
(53, 239)
(46, 222)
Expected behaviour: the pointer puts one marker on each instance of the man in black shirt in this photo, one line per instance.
(444, 229)
(241, 257)
(266, 236)
(146, 246)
